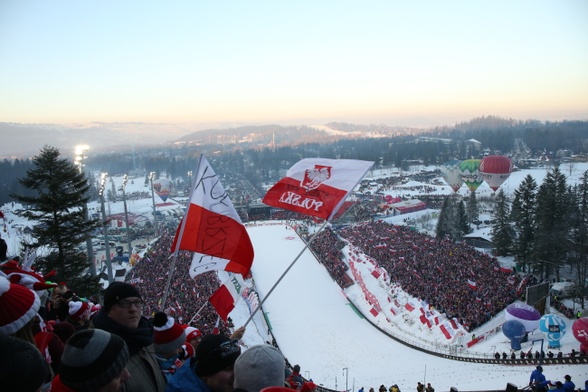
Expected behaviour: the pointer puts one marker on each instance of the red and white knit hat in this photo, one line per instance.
(78, 310)
(18, 306)
(168, 335)
(192, 333)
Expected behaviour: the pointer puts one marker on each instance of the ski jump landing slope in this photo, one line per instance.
(315, 327)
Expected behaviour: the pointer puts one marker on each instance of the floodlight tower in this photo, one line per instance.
(124, 184)
(104, 225)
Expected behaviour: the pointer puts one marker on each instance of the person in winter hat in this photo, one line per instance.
(211, 370)
(18, 306)
(193, 336)
(122, 315)
(18, 317)
(93, 360)
(295, 380)
(22, 367)
(168, 341)
(259, 367)
(79, 313)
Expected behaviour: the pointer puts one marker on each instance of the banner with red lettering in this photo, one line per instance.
(212, 229)
(317, 186)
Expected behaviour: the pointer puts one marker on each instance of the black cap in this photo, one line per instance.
(117, 291)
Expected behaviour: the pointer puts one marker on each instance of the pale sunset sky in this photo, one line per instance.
(412, 63)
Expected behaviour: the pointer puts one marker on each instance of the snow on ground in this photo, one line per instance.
(316, 327)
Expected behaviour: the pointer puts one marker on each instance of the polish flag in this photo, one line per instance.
(225, 298)
(317, 186)
(472, 285)
(212, 229)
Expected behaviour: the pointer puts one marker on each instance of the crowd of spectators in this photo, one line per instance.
(186, 297)
(454, 278)
(327, 250)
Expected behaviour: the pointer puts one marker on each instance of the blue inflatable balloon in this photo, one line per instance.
(554, 327)
(515, 331)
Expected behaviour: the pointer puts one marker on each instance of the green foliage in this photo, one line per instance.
(57, 207)
(501, 231)
(473, 214)
(452, 220)
(553, 215)
(523, 216)
(579, 236)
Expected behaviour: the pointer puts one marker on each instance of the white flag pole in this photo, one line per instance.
(198, 312)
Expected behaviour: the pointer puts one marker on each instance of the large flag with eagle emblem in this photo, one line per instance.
(317, 186)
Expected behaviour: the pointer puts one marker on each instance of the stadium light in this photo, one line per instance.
(104, 225)
(124, 185)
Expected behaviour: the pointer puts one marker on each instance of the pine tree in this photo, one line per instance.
(461, 221)
(452, 220)
(60, 221)
(501, 231)
(523, 216)
(551, 243)
(473, 213)
(579, 237)
(441, 230)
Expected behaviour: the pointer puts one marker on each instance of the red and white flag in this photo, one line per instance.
(212, 229)
(317, 186)
(472, 284)
(225, 298)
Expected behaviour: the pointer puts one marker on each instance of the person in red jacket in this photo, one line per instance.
(295, 380)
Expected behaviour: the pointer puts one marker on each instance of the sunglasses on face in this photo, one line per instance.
(123, 303)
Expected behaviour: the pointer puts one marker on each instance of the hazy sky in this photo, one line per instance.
(394, 62)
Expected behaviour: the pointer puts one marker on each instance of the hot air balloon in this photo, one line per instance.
(451, 174)
(495, 169)
(554, 327)
(526, 314)
(162, 187)
(580, 331)
(470, 174)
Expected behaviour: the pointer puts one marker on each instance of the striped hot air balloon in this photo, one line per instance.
(495, 169)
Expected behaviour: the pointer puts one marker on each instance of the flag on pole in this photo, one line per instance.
(472, 284)
(212, 229)
(317, 186)
(225, 298)
(216, 329)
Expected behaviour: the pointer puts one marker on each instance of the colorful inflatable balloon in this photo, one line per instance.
(162, 187)
(554, 327)
(451, 174)
(526, 314)
(470, 174)
(515, 331)
(495, 169)
(580, 331)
